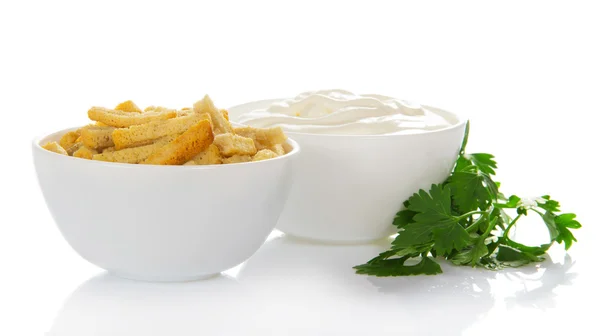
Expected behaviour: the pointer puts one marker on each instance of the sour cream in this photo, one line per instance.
(342, 112)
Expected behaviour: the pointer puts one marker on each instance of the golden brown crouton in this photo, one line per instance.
(54, 147)
(141, 134)
(85, 152)
(211, 155)
(278, 149)
(74, 148)
(134, 154)
(230, 144)
(69, 139)
(128, 106)
(220, 123)
(187, 145)
(125, 119)
(264, 154)
(237, 159)
(97, 137)
(287, 147)
(263, 137)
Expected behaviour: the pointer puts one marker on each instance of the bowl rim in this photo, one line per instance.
(462, 121)
(37, 147)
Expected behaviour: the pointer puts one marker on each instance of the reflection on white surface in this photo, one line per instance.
(292, 287)
(106, 305)
(541, 293)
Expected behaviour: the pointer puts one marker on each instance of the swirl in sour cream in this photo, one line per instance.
(342, 112)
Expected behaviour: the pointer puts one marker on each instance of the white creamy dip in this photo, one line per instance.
(342, 112)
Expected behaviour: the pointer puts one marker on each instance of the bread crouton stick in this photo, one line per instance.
(186, 146)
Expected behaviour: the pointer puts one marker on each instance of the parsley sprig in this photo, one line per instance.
(464, 220)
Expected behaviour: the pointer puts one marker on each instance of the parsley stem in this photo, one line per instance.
(475, 225)
(505, 235)
(469, 214)
(491, 225)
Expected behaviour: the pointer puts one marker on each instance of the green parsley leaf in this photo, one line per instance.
(469, 191)
(567, 220)
(412, 251)
(433, 220)
(563, 223)
(450, 237)
(492, 187)
(396, 267)
(383, 255)
(472, 255)
(549, 204)
(484, 162)
(513, 257)
(464, 220)
(464, 165)
(404, 217)
(413, 234)
(512, 203)
(533, 250)
(433, 207)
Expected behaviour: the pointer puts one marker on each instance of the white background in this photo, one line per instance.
(525, 72)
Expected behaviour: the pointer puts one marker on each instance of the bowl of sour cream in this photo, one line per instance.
(362, 157)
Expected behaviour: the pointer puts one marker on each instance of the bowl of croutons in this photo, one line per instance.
(165, 194)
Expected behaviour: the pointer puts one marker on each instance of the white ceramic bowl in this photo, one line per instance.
(348, 188)
(163, 223)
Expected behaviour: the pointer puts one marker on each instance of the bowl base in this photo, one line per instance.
(163, 278)
(334, 241)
